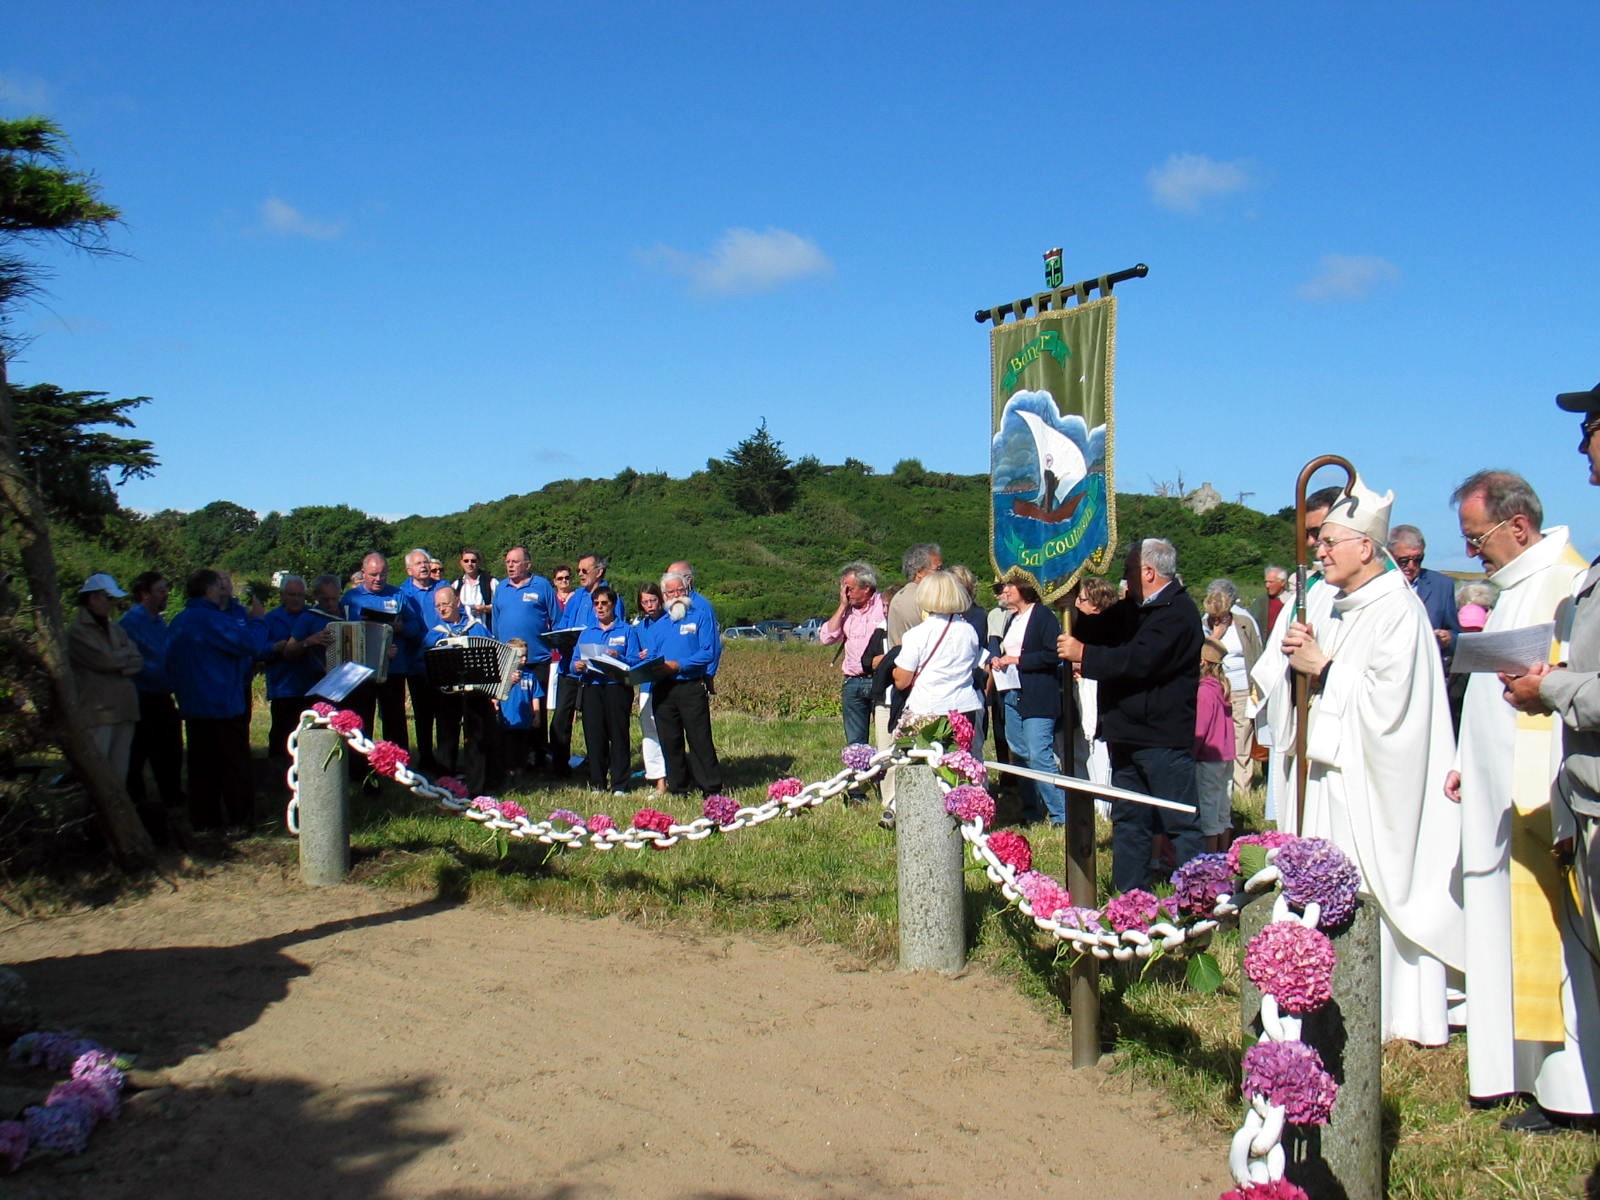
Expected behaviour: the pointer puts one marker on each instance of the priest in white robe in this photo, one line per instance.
(1379, 746)
(1274, 679)
(1533, 1017)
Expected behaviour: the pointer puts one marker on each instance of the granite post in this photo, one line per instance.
(928, 855)
(324, 809)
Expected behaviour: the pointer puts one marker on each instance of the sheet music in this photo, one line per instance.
(1510, 650)
(341, 681)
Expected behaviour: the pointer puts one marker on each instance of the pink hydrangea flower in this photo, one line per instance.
(486, 804)
(784, 788)
(967, 767)
(452, 785)
(653, 819)
(961, 730)
(567, 816)
(345, 721)
(1012, 849)
(1090, 919)
(1137, 909)
(968, 803)
(98, 1095)
(1291, 1074)
(600, 823)
(720, 809)
(1294, 963)
(1278, 1189)
(387, 758)
(1044, 895)
(1272, 839)
(512, 811)
(323, 709)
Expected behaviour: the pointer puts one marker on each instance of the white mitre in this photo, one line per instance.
(1361, 509)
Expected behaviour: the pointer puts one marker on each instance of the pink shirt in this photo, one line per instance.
(855, 629)
(1213, 723)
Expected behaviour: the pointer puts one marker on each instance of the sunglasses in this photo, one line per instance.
(1408, 560)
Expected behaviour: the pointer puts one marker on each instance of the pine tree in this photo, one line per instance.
(757, 475)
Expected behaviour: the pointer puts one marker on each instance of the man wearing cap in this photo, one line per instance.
(1530, 990)
(1572, 692)
(104, 661)
(1378, 744)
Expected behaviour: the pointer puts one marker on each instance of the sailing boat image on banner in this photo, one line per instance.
(1053, 514)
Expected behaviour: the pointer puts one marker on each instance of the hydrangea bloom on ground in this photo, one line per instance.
(600, 823)
(53, 1051)
(1044, 895)
(1199, 882)
(969, 803)
(653, 819)
(484, 804)
(1278, 1189)
(59, 1128)
(452, 785)
(1315, 870)
(784, 788)
(99, 1095)
(1291, 1074)
(512, 811)
(1294, 963)
(857, 756)
(13, 1143)
(1136, 909)
(1012, 849)
(721, 809)
(567, 816)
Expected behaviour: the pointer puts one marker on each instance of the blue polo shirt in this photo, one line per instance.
(525, 612)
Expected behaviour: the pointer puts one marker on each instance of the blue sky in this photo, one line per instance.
(410, 256)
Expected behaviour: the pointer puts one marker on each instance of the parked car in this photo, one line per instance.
(740, 633)
(808, 629)
(776, 630)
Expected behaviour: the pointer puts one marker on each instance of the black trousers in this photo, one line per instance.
(424, 712)
(285, 716)
(221, 791)
(562, 714)
(157, 740)
(683, 718)
(386, 700)
(607, 724)
(447, 712)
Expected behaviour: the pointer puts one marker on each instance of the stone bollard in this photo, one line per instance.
(928, 856)
(324, 809)
(1345, 1157)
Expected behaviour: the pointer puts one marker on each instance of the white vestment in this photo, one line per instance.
(1275, 680)
(1535, 587)
(1379, 744)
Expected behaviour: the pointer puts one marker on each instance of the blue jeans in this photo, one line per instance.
(1032, 741)
(1159, 771)
(855, 702)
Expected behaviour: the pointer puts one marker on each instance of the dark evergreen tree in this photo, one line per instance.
(756, 475)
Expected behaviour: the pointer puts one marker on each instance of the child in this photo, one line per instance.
(519, 714)
(1213, 747)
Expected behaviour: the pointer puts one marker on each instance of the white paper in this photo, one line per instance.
(341, 681)
(1510, 650)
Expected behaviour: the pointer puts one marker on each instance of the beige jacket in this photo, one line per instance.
(104, 662)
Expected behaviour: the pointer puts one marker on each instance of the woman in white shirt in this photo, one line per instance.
(938, 657)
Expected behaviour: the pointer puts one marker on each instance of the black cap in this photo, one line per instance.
(1580, 402)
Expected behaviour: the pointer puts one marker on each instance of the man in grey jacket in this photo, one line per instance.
(1571, 691)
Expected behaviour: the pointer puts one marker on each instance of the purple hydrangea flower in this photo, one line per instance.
(59, 1128)
(721, 809)
(857, 756)
(54, 1051)
(1314, 869)
(782, 789)
(1291, 1074)
(13, 1143)
(1294, 963)
(567, 816)
(99, 1094)
(969, 803)
(1197, 884)
(1088, 919)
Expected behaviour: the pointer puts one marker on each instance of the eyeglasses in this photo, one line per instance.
(1408, 560)
(563, 578)
(1591, 426)
(469, 560)
(1476, 541)
(1323, 543)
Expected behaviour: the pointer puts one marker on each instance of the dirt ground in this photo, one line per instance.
(350, 1042)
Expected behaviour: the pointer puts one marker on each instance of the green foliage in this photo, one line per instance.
(211, 534)
(1203, 974)
(40, 196)
(756, 475)
(310, 540)
(68, 460)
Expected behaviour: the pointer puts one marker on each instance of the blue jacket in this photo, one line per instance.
(209, 661)
(579, 614)
(152, 635)
(1438, 596)
(313, 620)
(525, 612)
(693, 643)
(427, 611)
(466, 626)
(621, 641)
(286, 679)
(699, 604)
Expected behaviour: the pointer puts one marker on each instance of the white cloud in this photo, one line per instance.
(744, 261)
(1348, 277)
(1186, 181)
(282, 218)
(25, 93)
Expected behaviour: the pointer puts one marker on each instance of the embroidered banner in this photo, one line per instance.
(1053, 501)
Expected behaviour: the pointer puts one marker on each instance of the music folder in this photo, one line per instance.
(561, 639)
(650, 670)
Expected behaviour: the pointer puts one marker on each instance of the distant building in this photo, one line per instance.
(1203, 499)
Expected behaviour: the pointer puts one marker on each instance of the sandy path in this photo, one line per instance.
(351, 1043)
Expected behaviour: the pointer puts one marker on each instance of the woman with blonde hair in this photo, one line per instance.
(937, 657)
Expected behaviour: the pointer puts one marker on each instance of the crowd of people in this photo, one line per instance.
(1466, 801)
(166, 695)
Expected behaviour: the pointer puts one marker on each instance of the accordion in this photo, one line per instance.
(474, 664)
(365, 642)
